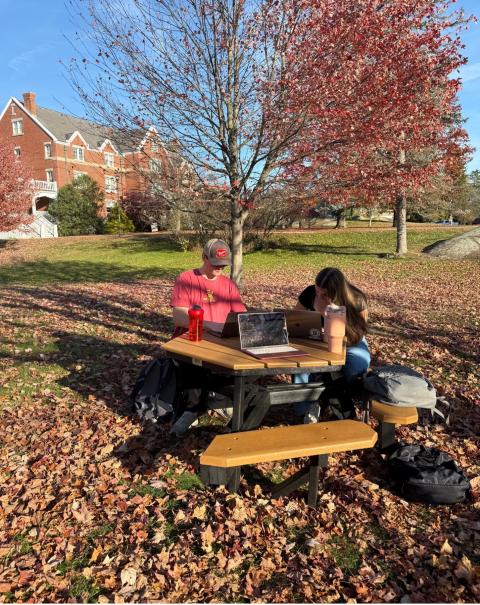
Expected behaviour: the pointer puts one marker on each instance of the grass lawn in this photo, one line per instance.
(144, 256)
(93, 507)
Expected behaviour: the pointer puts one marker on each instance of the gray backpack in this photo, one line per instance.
(401, 386)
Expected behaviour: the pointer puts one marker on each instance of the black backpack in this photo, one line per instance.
(426, 474)
(154, 396)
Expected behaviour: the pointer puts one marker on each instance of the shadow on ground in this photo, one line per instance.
(104, 310)
(306, 249)
(45, 272)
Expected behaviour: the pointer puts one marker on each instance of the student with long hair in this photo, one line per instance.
(332, 287)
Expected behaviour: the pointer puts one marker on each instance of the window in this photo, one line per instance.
(49, 174)
(155, 165)
(12, 109)
(78, 153)
(154, 146)
(110, 184)
(17, 152)
(48, 150)
(17, 127)
(109, 159)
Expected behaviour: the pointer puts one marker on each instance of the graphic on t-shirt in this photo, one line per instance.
(209, 297)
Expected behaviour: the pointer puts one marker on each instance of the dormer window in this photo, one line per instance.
(109, 159)
(78, 153)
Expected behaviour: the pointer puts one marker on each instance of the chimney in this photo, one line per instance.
(30, 103)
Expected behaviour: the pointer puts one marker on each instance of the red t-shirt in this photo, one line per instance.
(217, 297)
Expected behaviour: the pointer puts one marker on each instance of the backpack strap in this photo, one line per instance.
(435, 410)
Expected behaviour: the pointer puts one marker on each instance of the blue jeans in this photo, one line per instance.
(356, 363)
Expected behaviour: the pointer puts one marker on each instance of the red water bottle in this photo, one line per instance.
(195, 323)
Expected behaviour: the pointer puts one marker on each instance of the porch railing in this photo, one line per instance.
(45, 185)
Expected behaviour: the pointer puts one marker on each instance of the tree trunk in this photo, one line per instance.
(175, 220)
(401, 213)
(394, 220)
(236, 272)
(341, 219)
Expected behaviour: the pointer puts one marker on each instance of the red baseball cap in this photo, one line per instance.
(217, 253)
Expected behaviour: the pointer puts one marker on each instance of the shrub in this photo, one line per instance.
(118, 222)
(77, 207)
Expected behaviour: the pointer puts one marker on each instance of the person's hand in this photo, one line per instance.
(213, 327)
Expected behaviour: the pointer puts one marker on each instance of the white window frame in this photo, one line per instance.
(109, 159)
(110, 184)
(154, 146)
(17, 131)
(48, 174)
(78, 153)
(155, 165)
(17, 152)
(48, 154)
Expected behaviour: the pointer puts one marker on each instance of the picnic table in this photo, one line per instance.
(224, 356)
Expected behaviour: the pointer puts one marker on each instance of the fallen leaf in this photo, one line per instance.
(446, 548)
(199, 512)
(128, 576)
(207, 539)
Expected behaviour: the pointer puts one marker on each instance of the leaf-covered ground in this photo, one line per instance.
(95, 508)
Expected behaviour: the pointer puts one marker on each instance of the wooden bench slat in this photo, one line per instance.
(392, 414)
(268, 445)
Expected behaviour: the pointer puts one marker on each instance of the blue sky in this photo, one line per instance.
(35, 36)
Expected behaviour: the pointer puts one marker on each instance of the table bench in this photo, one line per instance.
(223, 356)
(316, 441)
(389, 416)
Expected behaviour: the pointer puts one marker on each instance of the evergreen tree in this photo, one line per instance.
(118, 222)
(77, 207)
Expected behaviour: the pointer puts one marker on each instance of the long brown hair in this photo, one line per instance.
(341, 292)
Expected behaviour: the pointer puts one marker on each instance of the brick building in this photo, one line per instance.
(58, 147)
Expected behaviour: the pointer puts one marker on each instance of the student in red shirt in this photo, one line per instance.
(218, 295)
(207, 287)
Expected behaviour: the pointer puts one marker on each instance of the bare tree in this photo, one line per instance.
(196, 70)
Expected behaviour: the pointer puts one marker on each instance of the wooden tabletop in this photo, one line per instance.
(226, 353)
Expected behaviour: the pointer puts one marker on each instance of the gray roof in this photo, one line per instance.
(63, 126)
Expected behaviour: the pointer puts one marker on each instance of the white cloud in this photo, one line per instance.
(469, 72)
(24, 60)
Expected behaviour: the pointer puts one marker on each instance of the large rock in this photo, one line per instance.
(466, 245)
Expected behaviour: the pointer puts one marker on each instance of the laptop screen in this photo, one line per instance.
(262, 329)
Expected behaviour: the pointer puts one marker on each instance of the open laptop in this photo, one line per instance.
(230, 327)
(304, 324)
(265, 335)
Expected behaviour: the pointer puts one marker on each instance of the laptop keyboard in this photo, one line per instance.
(271, 349)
